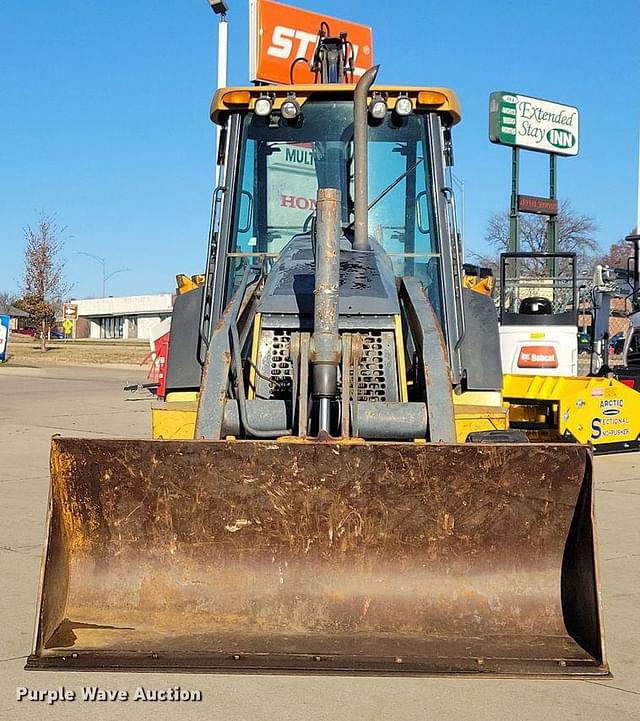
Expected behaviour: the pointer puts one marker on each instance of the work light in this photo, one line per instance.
(290, 108)
(404, 106)
(263, 106)
(378, 107)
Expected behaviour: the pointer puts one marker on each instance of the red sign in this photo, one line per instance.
(541, 206)
(280, 34)
(537, 356)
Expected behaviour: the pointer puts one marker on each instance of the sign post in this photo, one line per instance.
(552, 220)
(514, 218)
(524, 122)
(70, 316)
(4, 337)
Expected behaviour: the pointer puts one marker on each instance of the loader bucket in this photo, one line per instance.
(375, 557)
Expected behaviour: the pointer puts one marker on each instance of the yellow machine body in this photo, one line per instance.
(603, 412)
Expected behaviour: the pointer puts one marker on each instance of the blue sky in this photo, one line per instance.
(104, 116)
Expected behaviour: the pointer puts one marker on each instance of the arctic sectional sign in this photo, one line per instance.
(534, 124)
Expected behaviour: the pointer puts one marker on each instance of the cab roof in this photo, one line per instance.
(441, 100)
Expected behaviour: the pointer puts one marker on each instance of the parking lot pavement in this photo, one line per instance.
(36, 403)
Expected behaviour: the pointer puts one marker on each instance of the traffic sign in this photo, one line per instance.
(70, 311)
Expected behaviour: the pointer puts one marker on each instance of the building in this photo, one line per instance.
(18, 318)
(130, 316)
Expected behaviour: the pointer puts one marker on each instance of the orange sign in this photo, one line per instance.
(280, 34)
(537, 356)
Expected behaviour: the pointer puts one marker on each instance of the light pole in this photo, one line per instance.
(105, 276)
(220, 7)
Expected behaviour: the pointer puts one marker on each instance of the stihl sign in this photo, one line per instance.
(537, 356)
(279, 34)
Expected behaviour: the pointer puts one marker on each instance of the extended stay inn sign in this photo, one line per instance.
(534, 124)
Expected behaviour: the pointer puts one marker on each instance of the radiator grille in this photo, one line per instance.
(274, 363)
(376, 370)
(372, 380)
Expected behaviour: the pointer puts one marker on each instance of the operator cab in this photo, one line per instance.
(281, 145)
(276, 161)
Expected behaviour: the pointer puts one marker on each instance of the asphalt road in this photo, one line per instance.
(89, 401)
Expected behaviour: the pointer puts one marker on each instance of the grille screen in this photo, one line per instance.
(376, 371)
(274, 363)
(372, 382)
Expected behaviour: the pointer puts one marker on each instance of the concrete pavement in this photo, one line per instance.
(88, 401)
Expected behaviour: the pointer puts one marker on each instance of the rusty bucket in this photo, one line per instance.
(378, 557)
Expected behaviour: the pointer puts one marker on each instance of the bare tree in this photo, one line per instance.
(7, 299)
(576, 234)
(44, 286)
(617, 256)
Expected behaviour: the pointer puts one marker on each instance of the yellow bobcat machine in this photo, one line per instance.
(344, 493)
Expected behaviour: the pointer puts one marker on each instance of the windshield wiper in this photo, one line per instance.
(390, 187)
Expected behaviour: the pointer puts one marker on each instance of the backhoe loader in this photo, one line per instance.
(332, 484)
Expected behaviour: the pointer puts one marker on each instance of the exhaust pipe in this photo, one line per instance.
(361, 159)
(325, 343)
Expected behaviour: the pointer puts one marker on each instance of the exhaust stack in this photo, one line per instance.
(361, 159)
(325, 343)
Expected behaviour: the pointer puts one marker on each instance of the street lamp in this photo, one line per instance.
(220, 7)
(105, 276)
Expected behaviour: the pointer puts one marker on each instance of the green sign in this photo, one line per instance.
(532, 123)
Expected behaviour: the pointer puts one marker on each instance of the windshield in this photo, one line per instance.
(285, 162)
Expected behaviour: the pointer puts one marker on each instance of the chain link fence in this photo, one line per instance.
(618, 326)
(539, 278)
